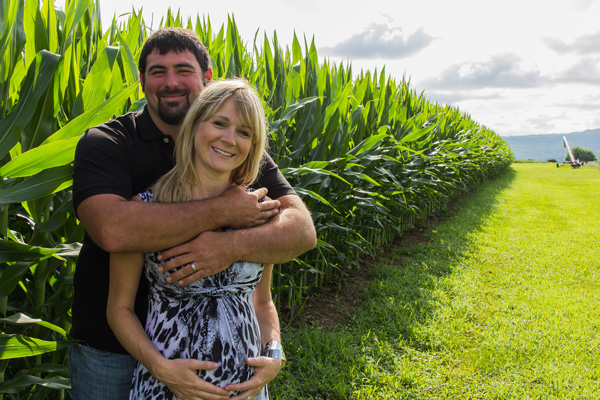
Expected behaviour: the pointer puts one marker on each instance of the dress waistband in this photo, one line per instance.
(180, 292)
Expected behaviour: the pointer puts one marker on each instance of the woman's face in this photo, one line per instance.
(222, 142)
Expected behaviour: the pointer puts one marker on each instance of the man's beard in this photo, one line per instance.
(170, 113)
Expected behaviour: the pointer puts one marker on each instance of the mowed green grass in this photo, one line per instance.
(501, 302)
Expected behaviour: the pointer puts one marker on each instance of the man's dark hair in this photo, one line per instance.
(178, 40)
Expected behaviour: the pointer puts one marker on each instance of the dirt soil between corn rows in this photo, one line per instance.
(334, 303)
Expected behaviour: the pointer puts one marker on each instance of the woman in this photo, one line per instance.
(225, 319)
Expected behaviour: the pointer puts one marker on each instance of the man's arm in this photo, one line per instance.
(287, 235)
(120, 225)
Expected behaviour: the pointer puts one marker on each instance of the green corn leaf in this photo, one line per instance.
(13, 251)
(132, 42)
(20, 319)
(368, 144)
(333, 225)
(97, 82)
(129, 65)
(38, 78)
(41, 124)
(296, 50)
(11, 276)
(365, 177)
(316, 164)
(316, 196)
(32, 30)
(8, 19)
(323, 244)
(17, 346)
(50, 155)
(51, 24)
(416, 134)
(73, 14)
(268, 65)
(23, 380)
(291, 110)
(58, 218)
(42, 184)
(98, 115)
(313, 171)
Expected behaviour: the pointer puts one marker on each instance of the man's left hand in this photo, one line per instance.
(210, 253)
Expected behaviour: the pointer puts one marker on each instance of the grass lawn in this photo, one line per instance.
(501, 301)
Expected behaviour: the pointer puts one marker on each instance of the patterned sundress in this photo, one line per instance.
(212, 319)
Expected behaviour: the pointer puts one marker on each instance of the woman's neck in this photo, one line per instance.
(207, 188)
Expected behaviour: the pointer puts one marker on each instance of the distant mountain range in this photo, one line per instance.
(546, 147)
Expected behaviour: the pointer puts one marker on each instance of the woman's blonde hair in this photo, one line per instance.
(175, 186)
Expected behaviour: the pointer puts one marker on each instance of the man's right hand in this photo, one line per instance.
(181, 378)
(245, 210)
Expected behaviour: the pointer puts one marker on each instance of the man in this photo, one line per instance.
(123, 157)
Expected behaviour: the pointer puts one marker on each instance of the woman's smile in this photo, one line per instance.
(222, 152)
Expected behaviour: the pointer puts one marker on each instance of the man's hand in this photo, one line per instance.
(181, 378)
(211, 253)
(244, 209)
(265, 369)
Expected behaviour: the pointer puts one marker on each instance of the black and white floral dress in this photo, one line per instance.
(212, 319)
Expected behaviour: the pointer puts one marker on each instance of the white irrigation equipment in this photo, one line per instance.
(574, 163)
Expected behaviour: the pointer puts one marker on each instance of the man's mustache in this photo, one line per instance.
(169, 92)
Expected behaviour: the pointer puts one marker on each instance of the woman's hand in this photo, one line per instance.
(265, 369)
(181, 378)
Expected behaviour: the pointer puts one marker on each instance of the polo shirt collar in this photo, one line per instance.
(147, 128)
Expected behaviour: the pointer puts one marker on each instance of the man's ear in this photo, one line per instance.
(142, 82)
(208, 76)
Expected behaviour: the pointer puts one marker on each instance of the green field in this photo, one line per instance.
(500, 302)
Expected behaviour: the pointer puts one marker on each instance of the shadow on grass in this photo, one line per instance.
(363, 358)
(404, 292)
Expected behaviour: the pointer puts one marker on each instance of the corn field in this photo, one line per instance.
(368, 155)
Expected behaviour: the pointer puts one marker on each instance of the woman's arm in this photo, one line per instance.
(179, 375)
(265, 369)
(266, 313)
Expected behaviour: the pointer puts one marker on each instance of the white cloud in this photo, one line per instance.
(584, 44)
(588, 103)
(500, 71)
(586, 71)
(454, 97)
(380, 41)
(583, 4)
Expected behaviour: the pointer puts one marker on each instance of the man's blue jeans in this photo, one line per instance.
(100, 375)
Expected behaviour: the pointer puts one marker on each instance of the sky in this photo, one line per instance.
(518, 67)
